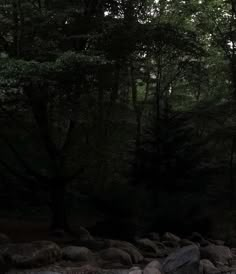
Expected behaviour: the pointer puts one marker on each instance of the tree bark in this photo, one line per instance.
(59, 219)
(231, 174)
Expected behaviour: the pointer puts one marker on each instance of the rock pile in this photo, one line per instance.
(168, 254)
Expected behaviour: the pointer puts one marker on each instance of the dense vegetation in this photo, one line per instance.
(125, 108)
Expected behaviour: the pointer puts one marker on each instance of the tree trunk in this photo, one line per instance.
(58, 205)
(231, 175)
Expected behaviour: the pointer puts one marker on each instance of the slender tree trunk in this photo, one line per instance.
(138, 130)
(58, 205)
(231, 174)
(158, 120)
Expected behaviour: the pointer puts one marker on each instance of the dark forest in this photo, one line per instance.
(118, 136)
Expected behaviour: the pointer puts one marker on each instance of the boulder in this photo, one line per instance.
(171, 244)
(207, 267)
(153, 267)
(31, 255)
(218, 255)
(116, 255)
(170, 237)
(233, 251)
(184, 261)
(135, 270)
(148, 246)
(185, 242)
(135, 255)
(225, 270)
(93, 245)
(217, 242)
(159, 245)
(77, 253)
(85, 269)
(154, 264)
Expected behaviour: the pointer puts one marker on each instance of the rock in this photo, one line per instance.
(170, 237)
(93, 245)
(86, 269)
(207, 267)
(153, 267)
(116, 255)
(135, 270)
(151, 271)
(135, 255)
(233, 251)
(76, 253)
(160, 245)
(171, 244)
(225, 270)
(216, 242)
(154, 264)
(184, 261)
(148, 247)
(185, 242)
(217, 254)
(4, 239)
(31, 255)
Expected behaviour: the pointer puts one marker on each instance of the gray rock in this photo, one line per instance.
(31, 255)
(159, 245)
(116, 255)
(170, 237)
(172, 244)
(135, 270)
(155, 264)
(218, 255)
(147, 245)
(77, 253)
(207, 267)
(93, 245)
(153, 267)
(184, 261)
(185, 242)
(217, 242)
(135, 255)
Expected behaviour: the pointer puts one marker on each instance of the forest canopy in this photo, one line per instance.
(122, 111)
